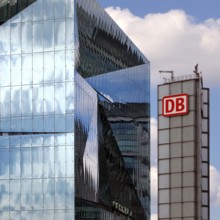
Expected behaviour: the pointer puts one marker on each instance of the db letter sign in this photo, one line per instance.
(175, 105)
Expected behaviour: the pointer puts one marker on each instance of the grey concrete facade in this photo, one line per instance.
(183, 149)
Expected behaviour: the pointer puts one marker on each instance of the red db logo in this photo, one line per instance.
(175, 105)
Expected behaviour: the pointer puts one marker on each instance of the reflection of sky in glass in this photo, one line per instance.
(37, 109)
(86, 113)
(125, 86)
(35, 157)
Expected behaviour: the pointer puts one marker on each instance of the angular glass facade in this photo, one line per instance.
(74, 115)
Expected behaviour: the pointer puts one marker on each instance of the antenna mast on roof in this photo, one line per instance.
(168, 71)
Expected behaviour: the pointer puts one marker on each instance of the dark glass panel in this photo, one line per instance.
(8, 9)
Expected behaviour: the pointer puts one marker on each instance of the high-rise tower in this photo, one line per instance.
(183, 149)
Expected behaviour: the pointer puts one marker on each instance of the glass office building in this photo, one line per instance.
(74, 114)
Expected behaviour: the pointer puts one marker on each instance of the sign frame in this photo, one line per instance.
(174, 97)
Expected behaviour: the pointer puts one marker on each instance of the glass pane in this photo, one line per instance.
(60, 98)
(69, 33)
(60, 161)
(26, 194)
(4, 141)
(5, 34)
(49, 121)
(15, 195)
(49, 99)
(26, 101)
(48, 9)
(14, 215)
(38, 100)
(37, 162)
(37, 36)
(60, 34)
(49, 162)
(4, 163)
(36, 215)
(60, 190)
(26, 215)
(38, 68)
(38, 10)
(49, 193)
(15, 163)
(60, 9)
(16, 101)
(26, 38)
(48, 33)
(26, 162)
(38, 123)
(16, 38)
(60, 65)
(70, 162)
(49, 215)
(5, 70)
(37, 194)
(70, 195)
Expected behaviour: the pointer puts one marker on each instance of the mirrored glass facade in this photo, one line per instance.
(74, 114)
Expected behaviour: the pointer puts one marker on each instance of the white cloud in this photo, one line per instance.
(153, 179)
(173, 41)
(154, 217)
(215, 186)
(153, 134)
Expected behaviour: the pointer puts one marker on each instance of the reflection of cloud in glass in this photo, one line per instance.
(128, 85)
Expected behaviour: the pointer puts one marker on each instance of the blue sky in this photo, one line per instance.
(176, 35)
(201, 9)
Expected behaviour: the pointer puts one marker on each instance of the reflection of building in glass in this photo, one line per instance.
(74, 134)
(183, 149)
